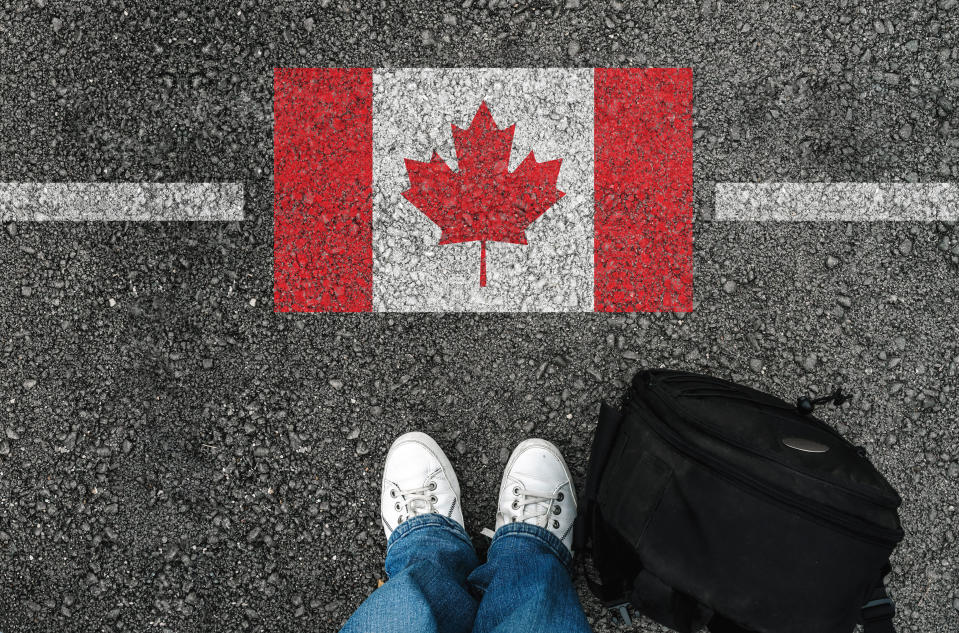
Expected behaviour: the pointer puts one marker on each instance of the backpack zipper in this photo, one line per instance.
(735, 394)
(732, 390)
(862, 494)
(856, 527)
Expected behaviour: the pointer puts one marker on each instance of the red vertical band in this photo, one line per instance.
(643, 138)
(322, 188)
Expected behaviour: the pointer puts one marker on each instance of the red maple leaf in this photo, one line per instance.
(482, 200)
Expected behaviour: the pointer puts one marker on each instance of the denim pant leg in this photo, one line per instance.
(525, 585)
(428, 559)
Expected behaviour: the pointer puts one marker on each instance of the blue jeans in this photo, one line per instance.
(436, 584)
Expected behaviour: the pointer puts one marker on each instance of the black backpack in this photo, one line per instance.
(712, 504)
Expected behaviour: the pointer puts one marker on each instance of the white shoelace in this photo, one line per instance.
(410, 502)
(542, 503)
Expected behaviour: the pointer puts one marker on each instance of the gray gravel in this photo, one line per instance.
(176, 457)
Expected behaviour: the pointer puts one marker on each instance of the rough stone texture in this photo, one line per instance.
(176, 457)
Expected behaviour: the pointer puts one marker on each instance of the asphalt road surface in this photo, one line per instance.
(177, 457)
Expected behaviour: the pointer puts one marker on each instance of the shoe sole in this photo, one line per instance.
(536, 442)
(430, 444)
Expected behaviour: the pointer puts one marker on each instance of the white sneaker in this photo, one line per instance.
(417, 479)
(537, 488)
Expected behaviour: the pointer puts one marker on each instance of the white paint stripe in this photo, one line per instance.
(120, 201)
(839, 201)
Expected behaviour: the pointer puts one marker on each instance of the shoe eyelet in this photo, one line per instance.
(512, 520)
(515, 505)
(393, 492)
(559, 497)
(555, 525)
(432, 485)
(396, 506)
(433, 499)
(516, 491)
(556, 510)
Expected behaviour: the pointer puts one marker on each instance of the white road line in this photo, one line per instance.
(837, 201)
(120, 201)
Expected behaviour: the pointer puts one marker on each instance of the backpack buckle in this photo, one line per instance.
(877, 610)
(622, 609)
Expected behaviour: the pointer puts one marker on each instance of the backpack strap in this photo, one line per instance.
(590, 534)
(606, 432)
(877, 614)
(669, 606)
(614, 584)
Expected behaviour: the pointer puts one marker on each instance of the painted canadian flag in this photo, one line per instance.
(456, 189)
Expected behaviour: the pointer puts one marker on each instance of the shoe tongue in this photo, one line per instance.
(542, 508)
(538, 513)
(414, 477)
(419, 506)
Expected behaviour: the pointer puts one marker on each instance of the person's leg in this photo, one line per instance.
(429, 555)
(428, 560)
(525, 582)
